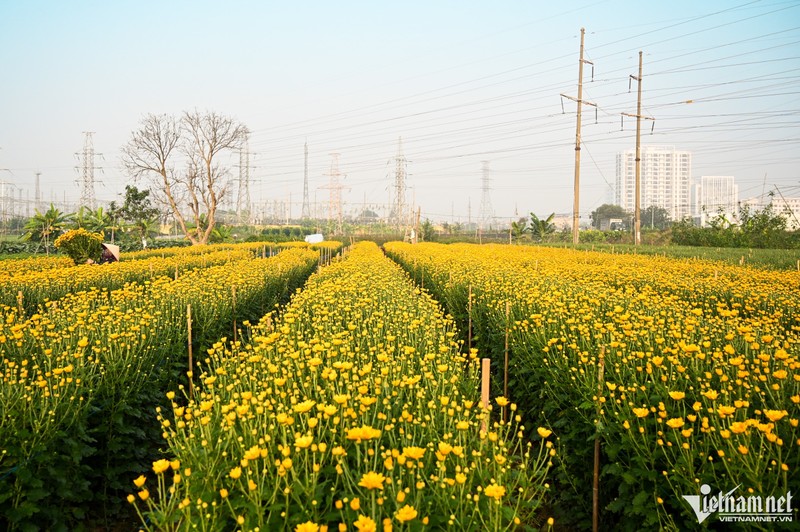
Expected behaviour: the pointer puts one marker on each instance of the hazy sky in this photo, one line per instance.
(460, 81)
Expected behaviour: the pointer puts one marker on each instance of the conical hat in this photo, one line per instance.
(113, 249)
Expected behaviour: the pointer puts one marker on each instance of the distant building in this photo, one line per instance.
(665, 180)
(715, 196)
(789, 208)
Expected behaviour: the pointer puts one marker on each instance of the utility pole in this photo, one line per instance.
(637, 209)
(38, 195)
(305, 214)
(581, 103)
(87, 169)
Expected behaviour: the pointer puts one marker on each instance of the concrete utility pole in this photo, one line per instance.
(38, 195)
(637, 212)
(581, 103)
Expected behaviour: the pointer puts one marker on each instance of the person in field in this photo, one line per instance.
(110, 253)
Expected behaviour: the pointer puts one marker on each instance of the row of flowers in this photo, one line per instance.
(357, 408)
(28, 283)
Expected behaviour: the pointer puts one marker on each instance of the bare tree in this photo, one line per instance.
(193, 193)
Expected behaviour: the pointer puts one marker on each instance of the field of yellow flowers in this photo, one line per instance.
(83, 374)
(356, 407)
(686, 370)
(28, 283)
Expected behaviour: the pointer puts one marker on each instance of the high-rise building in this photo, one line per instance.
(665, 180)
(715, 195)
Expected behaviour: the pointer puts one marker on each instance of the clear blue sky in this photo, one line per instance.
(461, 82)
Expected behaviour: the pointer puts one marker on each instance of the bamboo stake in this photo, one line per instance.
(505, 362)
(486, 368)
(191, 362)
(469, 314)
(233, 295)
(596, 479)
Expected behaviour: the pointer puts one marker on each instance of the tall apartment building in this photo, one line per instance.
(714, 195)
(665, 180)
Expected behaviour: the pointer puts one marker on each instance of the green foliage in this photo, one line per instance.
(541, 227)
(44, 227)
(519, 228)
(81, 245)
(427, 233)
(608, 211)
(762, 228)
(655, 218)
(138, 211)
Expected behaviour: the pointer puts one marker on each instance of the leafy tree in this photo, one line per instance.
(137, 205)
(655, 217)
(43, 227)
(115, 219)
(541, 227)
(139, 212)
(519, 228)
(427, 233)
(608, 211)
(762, 228)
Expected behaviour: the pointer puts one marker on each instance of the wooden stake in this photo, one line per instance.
(596, 479)
(190, 373)
(19, 303)
(469, 314)
(233, 296)
(176, 273)
(505, 362)
(486, 373)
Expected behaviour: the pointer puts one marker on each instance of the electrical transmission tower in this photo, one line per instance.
(306, 212)
(243, 206)
(400, 171)
(335, 187)
(487, 213)
(87, 169)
